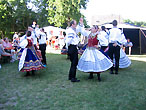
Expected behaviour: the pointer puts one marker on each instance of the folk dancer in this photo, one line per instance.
(72, 40)
(42, 46)
(115, 43)
(29, 60)
(92, 60)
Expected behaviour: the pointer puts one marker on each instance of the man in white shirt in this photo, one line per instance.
(72, 40)
(15, 36)
(116, 40)
(42, 45)
(129, 45)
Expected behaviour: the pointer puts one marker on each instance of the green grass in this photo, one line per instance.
(50, 89)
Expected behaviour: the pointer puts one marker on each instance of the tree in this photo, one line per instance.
(6, 17)
(16, 15)
(61, 12)
(136, 23)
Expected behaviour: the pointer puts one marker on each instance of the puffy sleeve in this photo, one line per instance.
(123, 39)
(82, 30)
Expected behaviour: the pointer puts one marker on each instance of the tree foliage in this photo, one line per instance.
(61, 12)
(5, 16)
(15, 15)
(136, 23)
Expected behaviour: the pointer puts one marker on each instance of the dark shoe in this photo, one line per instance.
(98, 77)
(33, 73)
(111, 72)
(27, 74)
(116, 73)
(68, 57)
(69, 78)
(90, 76)
(75, 80)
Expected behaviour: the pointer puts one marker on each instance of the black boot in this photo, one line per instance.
(116, 72)
(27, 74)
(111, 72)
(90, 76)
(98, 76)
(33, 73)
(75, 80)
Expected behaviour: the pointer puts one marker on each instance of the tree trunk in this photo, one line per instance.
(2, 35)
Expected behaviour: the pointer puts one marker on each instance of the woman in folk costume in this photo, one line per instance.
(92, 60)
(29, 60)
(124, 61)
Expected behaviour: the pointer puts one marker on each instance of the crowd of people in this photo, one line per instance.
(30, 49)
(103, 50)
(8, 48)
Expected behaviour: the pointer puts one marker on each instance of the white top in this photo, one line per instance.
(42, 38)
(37, 31)
(116, 35)
(23, 41)
(34, 37)
(72, 37)
(15, 36)
(102, 37)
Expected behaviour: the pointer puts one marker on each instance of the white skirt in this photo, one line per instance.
(92, 60)
(124, 61)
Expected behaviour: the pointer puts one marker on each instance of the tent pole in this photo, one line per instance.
(140, 40)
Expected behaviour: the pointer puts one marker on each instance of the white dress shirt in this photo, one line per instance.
(72, 37)
(34, 37)
(37, 31)
(102, 37)
(42, 39)
(116, 35)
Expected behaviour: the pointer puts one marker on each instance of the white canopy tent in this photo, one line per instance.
(53, 31)
(136, 34)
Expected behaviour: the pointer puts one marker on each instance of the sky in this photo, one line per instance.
(134, 10)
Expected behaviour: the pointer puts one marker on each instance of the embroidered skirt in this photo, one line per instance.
(92, 60)
(30, 60)
(124, 61)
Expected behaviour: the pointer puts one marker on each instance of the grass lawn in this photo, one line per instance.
(50, 89)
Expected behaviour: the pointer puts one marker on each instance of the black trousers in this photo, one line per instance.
(103, 47)
(35, 46)
(42, 47)
(114, 51)
(73, 54)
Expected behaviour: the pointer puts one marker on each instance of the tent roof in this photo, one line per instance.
(123, 25)
(53, 28)
(56, 30)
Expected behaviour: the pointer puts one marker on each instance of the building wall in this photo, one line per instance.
(101, 19)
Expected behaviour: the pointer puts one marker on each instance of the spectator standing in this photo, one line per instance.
(129, 45)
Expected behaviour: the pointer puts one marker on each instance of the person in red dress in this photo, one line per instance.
(92, 60)
(29, 60)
